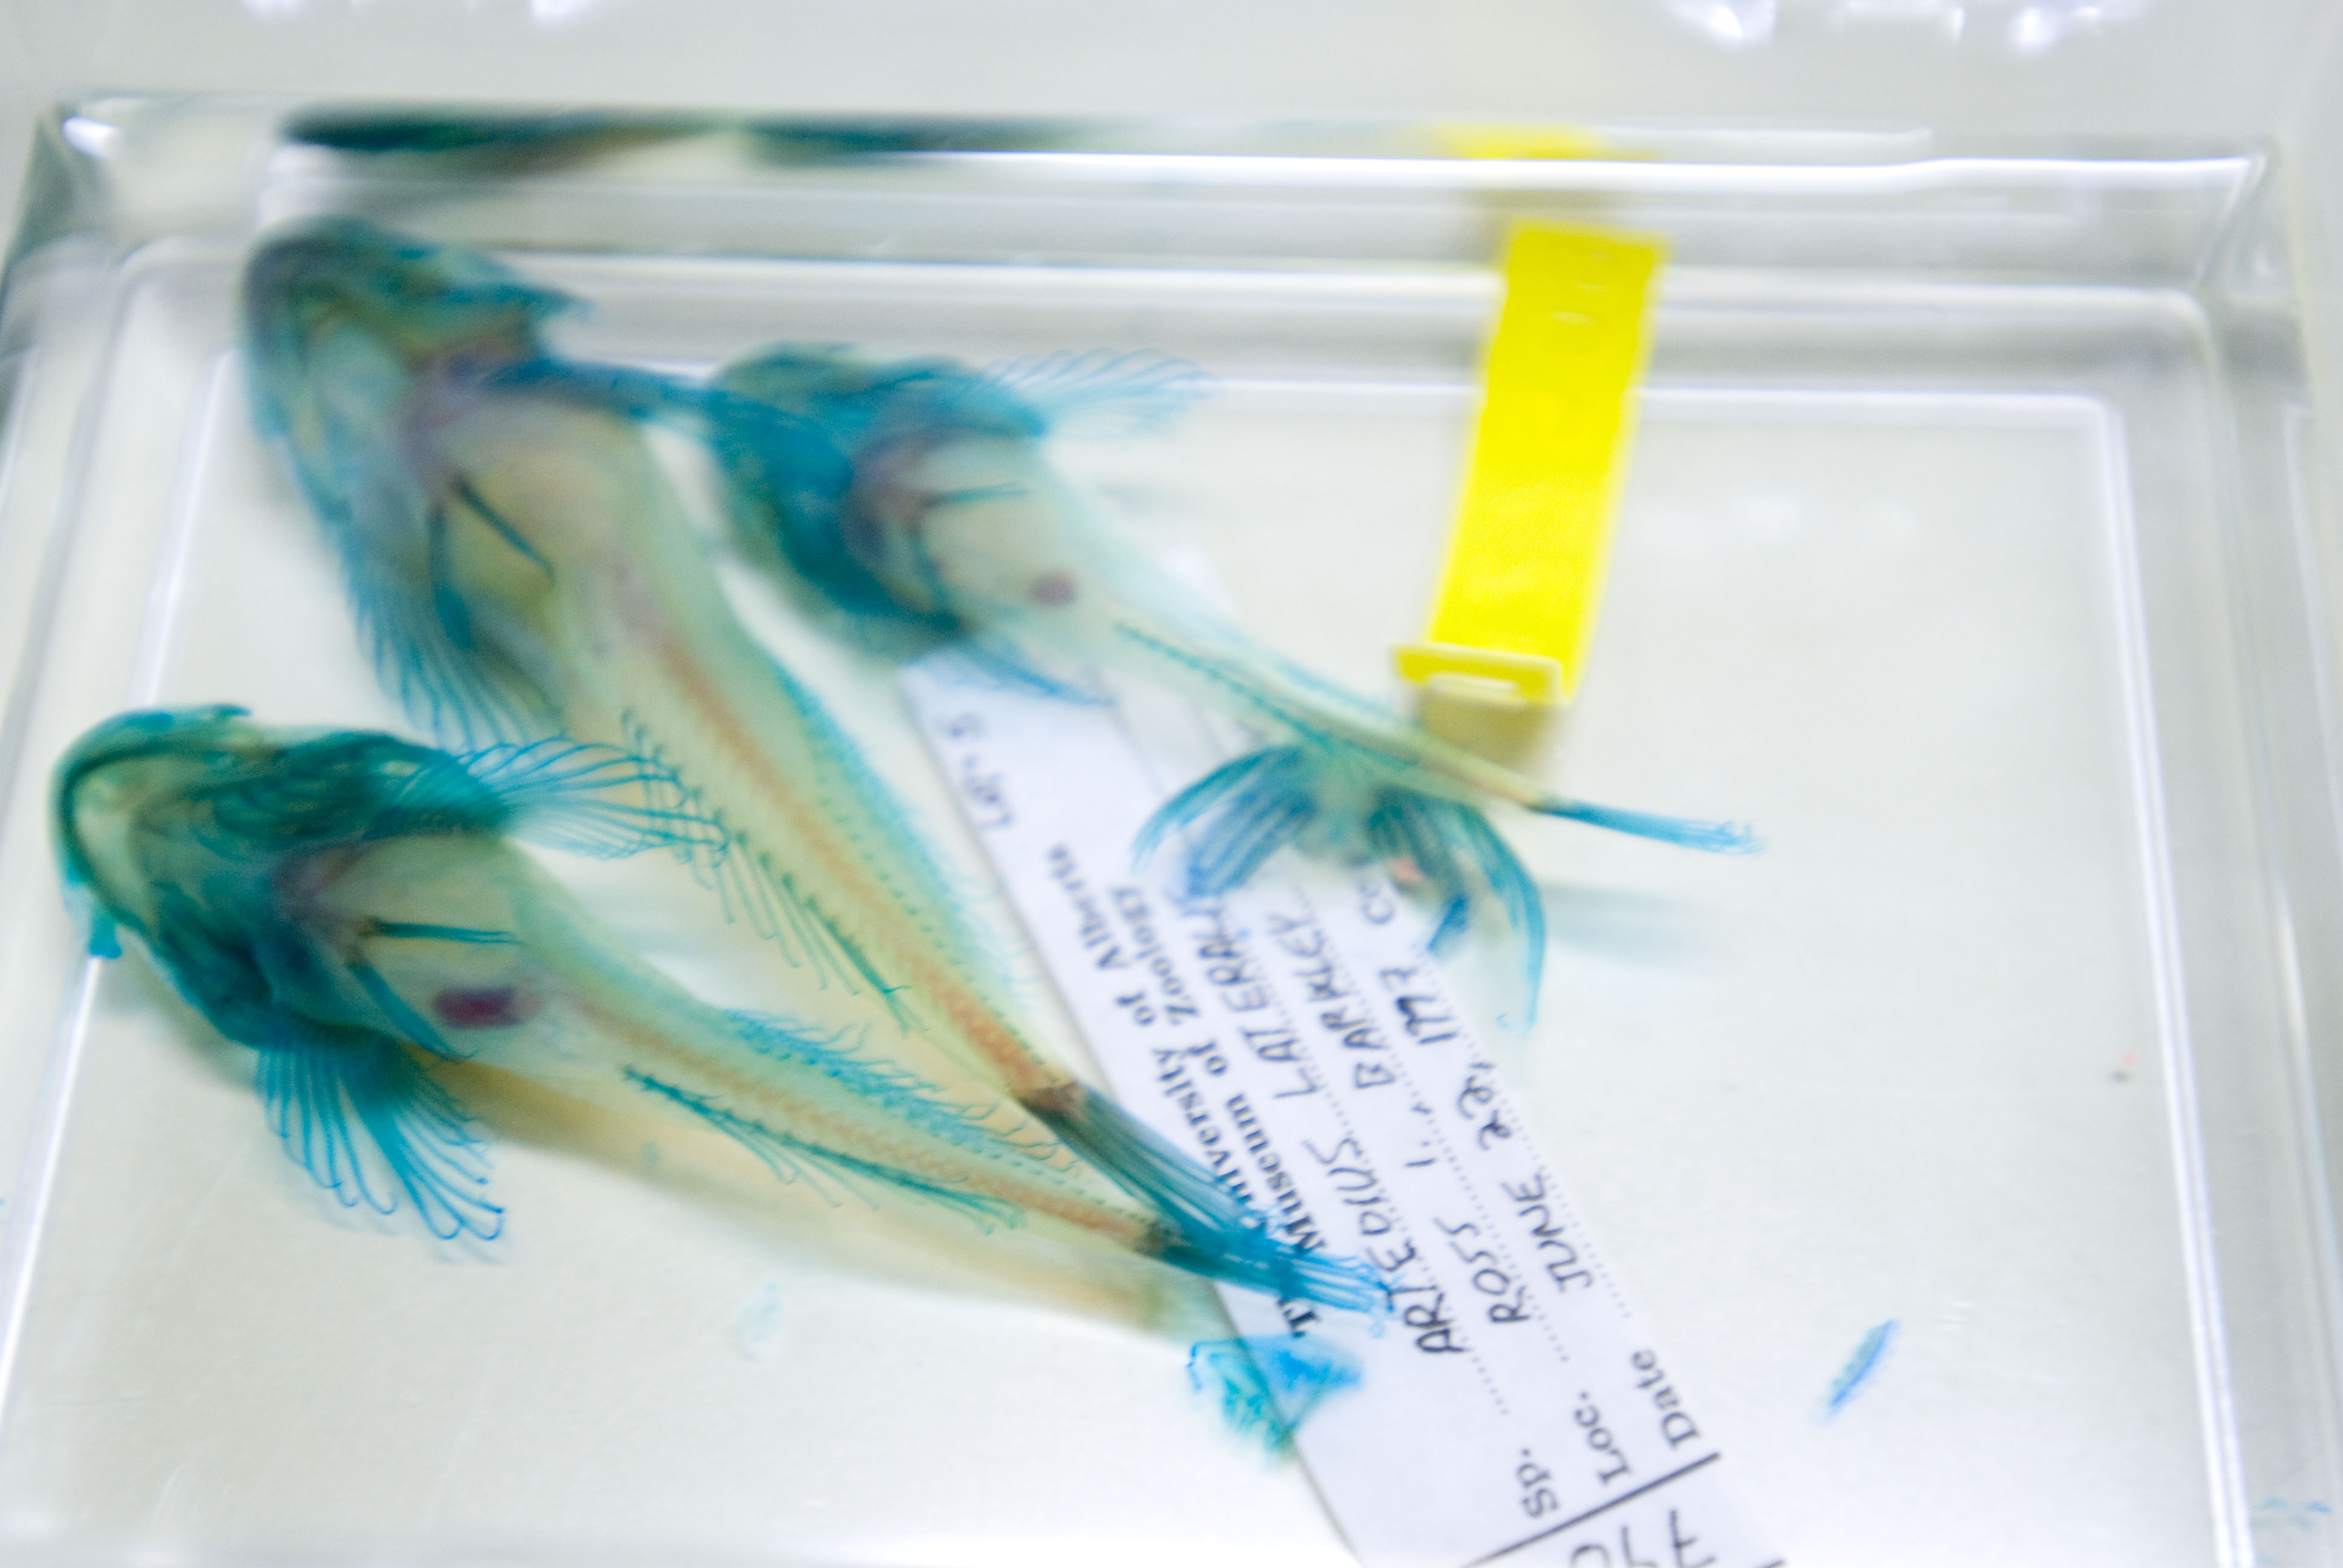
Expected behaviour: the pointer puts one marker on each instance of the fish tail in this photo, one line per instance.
(1692, 832)
(1267, 1386)
(1240, 814)
(1237, 816)
(1448, 851)
(1208, 1229)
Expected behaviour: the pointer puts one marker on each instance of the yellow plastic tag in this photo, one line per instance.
(1465, 139)
(1526, 564)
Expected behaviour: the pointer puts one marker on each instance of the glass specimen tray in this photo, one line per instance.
(1969, 551)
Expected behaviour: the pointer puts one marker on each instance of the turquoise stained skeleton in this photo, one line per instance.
(946, 524)
(522, 570)
(350, 906)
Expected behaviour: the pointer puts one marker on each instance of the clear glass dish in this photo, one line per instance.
(1967, 551)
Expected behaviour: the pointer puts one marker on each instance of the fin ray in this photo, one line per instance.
(769, 897)
(1102, 392)
(1241, 813)
(566, 795)
(1209, 1230)
(791, 1157)
(1691, 832)
(423, 1139)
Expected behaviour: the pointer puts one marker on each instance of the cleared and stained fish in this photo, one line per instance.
(350, 906)
(948, 525)
(521, 570)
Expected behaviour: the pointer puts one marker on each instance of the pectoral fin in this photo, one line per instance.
(365, 1118)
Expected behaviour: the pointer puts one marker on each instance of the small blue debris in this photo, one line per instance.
(1860, 1368)
(1266, 1386)
(757, 1326)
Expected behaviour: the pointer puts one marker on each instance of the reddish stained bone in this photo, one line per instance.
(489, 1007)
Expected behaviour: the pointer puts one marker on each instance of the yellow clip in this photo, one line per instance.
(1526, 564)
(1531, 676)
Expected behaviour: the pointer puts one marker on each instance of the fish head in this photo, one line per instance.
(201, 797)
(261, 871)
(353, 334)
(311, 290)
(950, 512)
(377, 366)
(120, 793)
(278, 875)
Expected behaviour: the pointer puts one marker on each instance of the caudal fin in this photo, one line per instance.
(1692, 832)
(1442, 850)
(1267, 1386)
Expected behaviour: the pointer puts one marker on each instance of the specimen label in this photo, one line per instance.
(1295, 1038)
